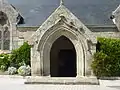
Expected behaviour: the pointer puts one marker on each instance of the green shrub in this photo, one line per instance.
(107, 59)
(4, 61)
(21, 56)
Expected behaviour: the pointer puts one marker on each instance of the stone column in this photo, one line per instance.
(80, 60)
(93, 51)
(46, 59)
(14, 37)
(79, 72)
(35, 63)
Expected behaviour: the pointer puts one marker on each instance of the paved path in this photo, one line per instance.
(18, 84)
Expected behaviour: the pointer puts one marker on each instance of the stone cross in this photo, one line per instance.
(61, 2)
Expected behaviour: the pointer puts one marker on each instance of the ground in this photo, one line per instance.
(8, 83)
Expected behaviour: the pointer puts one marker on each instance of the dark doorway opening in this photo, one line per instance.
(67, 64)
(63, 58)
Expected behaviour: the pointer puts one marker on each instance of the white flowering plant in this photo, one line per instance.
(24, 70)
(12, 70)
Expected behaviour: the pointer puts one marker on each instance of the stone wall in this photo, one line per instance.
(25, 33)
(111, 31)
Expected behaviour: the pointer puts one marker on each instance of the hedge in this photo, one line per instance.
(107, 58)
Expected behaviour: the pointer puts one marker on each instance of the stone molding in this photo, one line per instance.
(61, 22)
(61, 11)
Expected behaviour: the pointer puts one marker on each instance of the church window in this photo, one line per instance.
(4, 32)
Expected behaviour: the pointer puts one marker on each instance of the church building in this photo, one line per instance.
(63, 34)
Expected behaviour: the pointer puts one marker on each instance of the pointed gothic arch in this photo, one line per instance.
(61, 23)
(63, 58)
(47, 41)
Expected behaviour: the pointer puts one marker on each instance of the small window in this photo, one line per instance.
(3, 18)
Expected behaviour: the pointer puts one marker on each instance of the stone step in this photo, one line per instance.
(63, 80)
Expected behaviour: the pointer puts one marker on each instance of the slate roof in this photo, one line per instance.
(93, 12)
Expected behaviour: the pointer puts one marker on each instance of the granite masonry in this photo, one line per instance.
(61, 47)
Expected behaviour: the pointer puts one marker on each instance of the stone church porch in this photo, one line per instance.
(62, 50)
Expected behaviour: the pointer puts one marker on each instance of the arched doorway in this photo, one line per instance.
(63, 58)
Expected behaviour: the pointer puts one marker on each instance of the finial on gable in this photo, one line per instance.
(61, 2)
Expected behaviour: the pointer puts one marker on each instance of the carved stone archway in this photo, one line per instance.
(45, 51)
(79, 40)
(61, 23)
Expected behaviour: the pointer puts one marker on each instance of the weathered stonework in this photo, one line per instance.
(62, 22)
(11, 14)
(26, 32)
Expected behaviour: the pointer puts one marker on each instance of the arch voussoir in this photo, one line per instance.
(48, 42)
